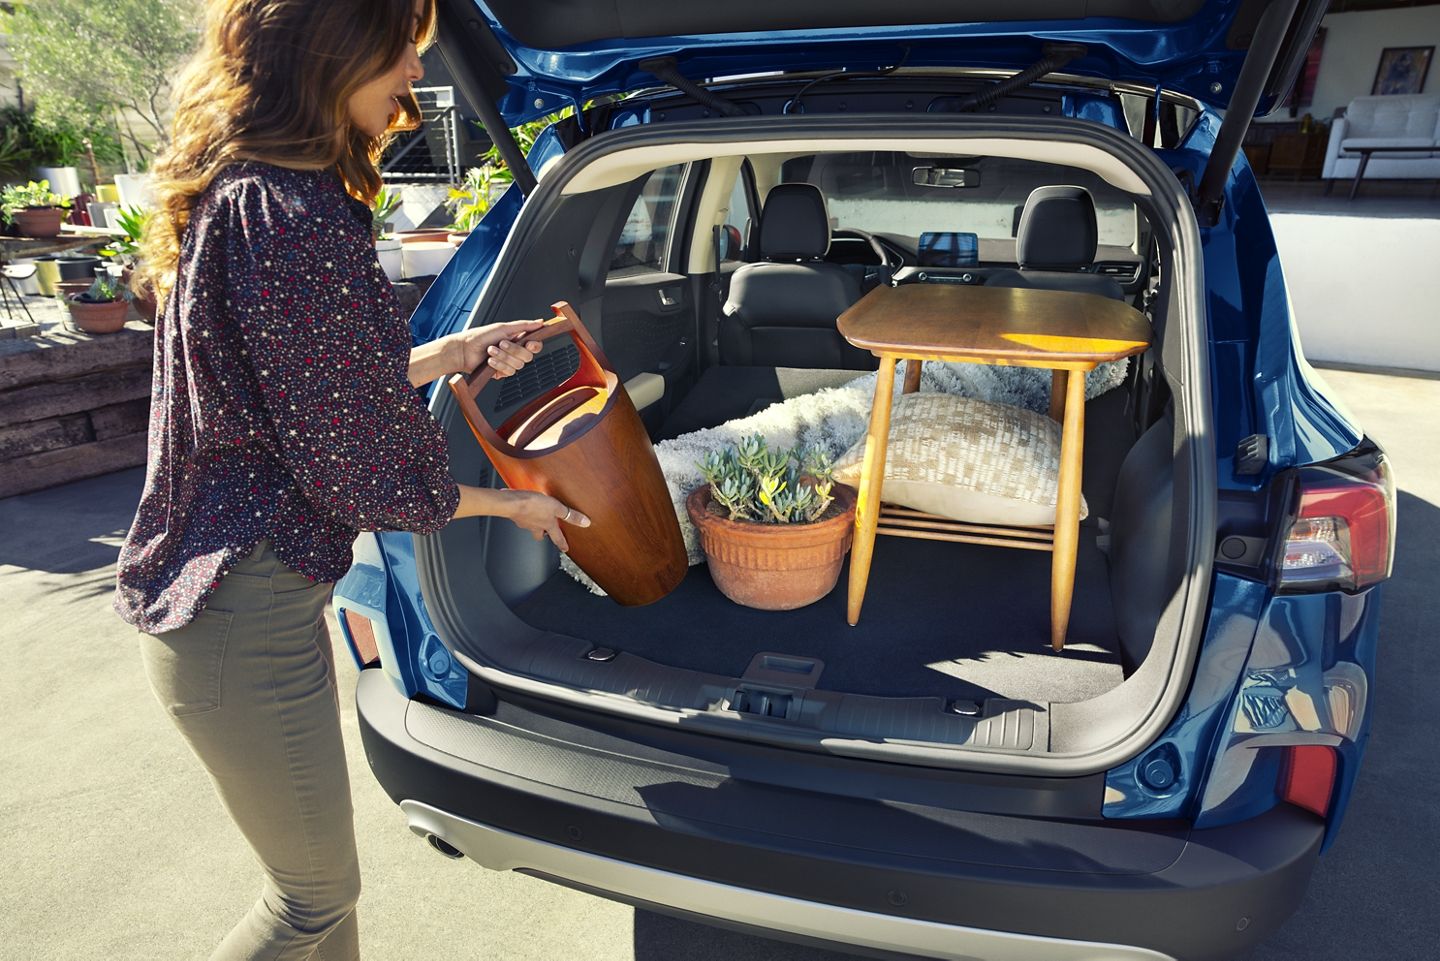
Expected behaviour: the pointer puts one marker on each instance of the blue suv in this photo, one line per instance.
(935, 781)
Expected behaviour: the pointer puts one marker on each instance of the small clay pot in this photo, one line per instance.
(40, 222)
(144, 298)
(101, 318)
(421, 234)
(774, 567)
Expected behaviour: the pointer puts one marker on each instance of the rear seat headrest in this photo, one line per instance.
(1057, 229)
(794, 223)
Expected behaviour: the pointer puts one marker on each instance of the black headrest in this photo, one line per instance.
(794, 223)
(1057, 229)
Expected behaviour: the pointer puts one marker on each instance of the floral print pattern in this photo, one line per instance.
(281, 406)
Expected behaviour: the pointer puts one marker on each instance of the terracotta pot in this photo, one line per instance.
(144, 298)
(774, 567)
(457, 238)
(421, 234)
(39, 222)
(106, 318)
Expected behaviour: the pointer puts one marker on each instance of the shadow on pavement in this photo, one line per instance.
(70, 529)
(659, 937)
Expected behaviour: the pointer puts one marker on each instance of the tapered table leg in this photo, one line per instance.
(1067, 508)
(1057, 394)
(872, 477)
(912, 375)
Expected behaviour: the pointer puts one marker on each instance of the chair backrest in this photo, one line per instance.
(781, 311)
(1396, 115)
(1058, 235)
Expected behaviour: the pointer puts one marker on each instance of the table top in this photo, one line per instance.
(37, 246)
(995, 325)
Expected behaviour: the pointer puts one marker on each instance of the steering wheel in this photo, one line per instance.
(882, 271)
(881, 258)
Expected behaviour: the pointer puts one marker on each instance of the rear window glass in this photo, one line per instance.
(645, 238)
(877, 192)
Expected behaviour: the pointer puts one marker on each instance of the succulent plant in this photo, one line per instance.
(755, 482)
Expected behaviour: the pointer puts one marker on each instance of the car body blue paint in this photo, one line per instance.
(1193, 56)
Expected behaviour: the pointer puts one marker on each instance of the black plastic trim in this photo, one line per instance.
(1225, 889)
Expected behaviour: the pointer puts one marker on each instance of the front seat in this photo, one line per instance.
(1057, 237)
(781, 311)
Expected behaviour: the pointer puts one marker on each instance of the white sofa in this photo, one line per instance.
(1379, 138)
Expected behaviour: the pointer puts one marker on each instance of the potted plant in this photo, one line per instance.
(124, 251)
(34, 208)
(774, 524)
(471, 199)
(387, 245)
(102, 308)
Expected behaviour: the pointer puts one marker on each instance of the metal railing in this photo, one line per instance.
(432, 153)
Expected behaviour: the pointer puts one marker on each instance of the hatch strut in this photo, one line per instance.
(664, 69)
(1259, 62)
(466, 42)
(1053, 57)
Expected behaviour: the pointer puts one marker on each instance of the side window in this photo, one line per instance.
(740, 222)
(645, 238)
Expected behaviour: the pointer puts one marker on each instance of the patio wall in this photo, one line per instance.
(72, 405)
(1365, 290)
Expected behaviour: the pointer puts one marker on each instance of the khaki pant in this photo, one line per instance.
(250, 683)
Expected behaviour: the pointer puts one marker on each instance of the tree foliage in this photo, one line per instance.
(86, 63)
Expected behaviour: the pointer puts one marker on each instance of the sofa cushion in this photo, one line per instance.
(968, 460)
(1394, 116)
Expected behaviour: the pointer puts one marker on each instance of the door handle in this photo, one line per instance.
(669, 296)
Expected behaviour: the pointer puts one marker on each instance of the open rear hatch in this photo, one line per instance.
(536, 57)
(483, 582)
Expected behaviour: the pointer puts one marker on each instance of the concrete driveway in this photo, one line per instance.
(114, 846)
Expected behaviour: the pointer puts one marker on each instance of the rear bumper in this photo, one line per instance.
(666, 835)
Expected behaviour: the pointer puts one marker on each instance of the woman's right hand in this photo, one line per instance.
(543, 516)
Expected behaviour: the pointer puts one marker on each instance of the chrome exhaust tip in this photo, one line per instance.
(444, 847)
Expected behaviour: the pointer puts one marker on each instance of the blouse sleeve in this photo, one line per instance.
(330, 354)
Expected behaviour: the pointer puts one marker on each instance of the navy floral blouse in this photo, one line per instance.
(281, 407)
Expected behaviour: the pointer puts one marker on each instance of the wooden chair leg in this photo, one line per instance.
(1057, 394)
(1067, 508)
(872, 477)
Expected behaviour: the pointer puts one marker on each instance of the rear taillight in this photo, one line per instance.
(1308, 778)
(361, 634)
(1341, 530)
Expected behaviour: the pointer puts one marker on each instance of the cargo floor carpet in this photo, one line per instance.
(941, 620)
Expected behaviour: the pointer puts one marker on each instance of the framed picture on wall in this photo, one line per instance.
(1402, 70)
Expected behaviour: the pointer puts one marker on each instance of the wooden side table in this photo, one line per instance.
(1068, 333)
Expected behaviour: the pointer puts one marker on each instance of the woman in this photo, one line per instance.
(283, 422)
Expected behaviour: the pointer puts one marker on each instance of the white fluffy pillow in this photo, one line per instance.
(968, 460)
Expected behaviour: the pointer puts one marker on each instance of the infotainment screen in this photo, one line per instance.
(949, 248)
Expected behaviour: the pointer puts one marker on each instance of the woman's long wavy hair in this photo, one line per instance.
(272, 82)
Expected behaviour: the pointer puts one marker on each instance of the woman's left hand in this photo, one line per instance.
(502, 346)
